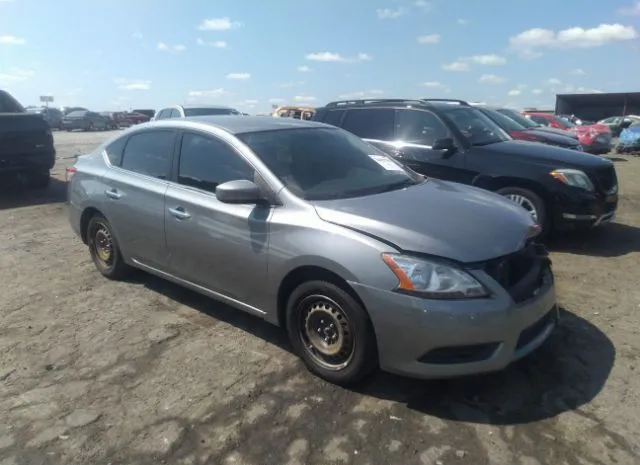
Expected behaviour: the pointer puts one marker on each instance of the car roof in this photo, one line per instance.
(419, 103)
(206, 106)
(236, 124)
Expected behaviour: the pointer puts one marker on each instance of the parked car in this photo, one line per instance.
(149, 113)
(530, 124)
(295, 111)
(135, 118)
(67, 110)
(53, 116)
(84, 120)
(561, 189)
(629, 141)
(366, 264)
(112, 119)
(594, 138)
(519, 132)
(26, 144)
(184, 111)
(617, 123)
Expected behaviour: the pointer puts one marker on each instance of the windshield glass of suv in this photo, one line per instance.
(505, 123)
(324, 163)
(518, 118)
(209, 111)
(565, 122)
(477, 127)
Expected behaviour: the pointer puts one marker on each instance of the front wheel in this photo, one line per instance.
(104, 249)
(531, 202)
(331, 332)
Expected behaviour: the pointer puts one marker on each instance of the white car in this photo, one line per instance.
(184, 111)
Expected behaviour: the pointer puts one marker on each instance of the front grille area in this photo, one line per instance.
(520, 273)
(605, 179)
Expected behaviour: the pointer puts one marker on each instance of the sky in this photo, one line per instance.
(251, 54)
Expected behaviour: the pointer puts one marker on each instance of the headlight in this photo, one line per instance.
(432, 279)
(575, 178)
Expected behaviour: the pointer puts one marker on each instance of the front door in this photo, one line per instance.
(135, 193)
(222, 247)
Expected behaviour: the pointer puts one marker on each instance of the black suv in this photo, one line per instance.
(449, 139)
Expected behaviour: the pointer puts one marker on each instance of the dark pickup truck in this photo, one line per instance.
(26, 144)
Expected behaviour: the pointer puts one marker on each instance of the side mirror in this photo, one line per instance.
(240, 191)
(447, 145)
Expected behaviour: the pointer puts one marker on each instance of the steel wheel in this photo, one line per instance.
(525, 203)
(325, 332)
(103, 244)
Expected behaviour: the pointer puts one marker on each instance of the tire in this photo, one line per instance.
(312, 304)
(530, 201)
(104, 249)
(90, 127)
(39, 179)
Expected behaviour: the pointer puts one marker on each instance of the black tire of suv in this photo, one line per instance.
(536, 201)
(39, 179)
(364, 356)
(117, 269)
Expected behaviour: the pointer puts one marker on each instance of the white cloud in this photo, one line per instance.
(432, 84)
(362, 94)
(528, 43)
(170, 48)
(15, 75)
(458, 66)
(208, 93)
(250, 103)
(462, 22)
(577, 72)
(633, 10)
(388, 13)
(291, 84)
(219, 24)
(423, 4)
(304, 98)
(133, 84)
(276, 100)
(11, 40)
(75, 91)
(491, 79)
(554, 82)
(486, 60)
(514, 92)
(303, 69)
(238, 76)
(137, 35)
(536, 91)
(336, 57)
(429, 39)
(214, 44)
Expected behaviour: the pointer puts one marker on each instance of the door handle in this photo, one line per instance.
(113, 194)
(179, 213)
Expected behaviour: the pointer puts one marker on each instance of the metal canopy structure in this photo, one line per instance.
(598, 106)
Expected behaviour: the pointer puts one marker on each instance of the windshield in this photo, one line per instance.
(8, 104)
(209, 111)
(518, 118)
(477, 127)
(565, 122)
(327, 163)
(504, 122)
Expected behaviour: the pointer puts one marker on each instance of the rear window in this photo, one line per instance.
(77, 114)
(8, 104)
(209, 111)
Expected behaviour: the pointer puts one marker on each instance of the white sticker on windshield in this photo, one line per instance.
(386, 163)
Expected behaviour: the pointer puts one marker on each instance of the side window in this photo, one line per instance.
(333, 117)
(164, 114)
(174, 114)
(114, 150)
(420, 127)
(149, 153)
(206, 162)
(374, 123)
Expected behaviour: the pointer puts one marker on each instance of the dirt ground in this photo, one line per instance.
(144, 372)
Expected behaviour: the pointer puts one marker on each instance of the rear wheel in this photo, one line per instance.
(104, 249)
(531, 202)
(331, 332)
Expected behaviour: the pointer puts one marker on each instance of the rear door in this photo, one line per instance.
(135, 190)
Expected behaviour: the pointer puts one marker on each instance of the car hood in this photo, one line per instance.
(438, 218)
(553, 138)
(557, 131)
(555, 157)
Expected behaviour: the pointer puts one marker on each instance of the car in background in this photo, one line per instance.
(146, 112)
(53, 116)
(452, 140)
(521, 132)
(365, 263)
(67, 110)
(294, 111)
(26, 145)
(186, 111)
(617, 123)
(594, 138)
(85, 120)
(112, 121)
(136, 118)
(528, 123)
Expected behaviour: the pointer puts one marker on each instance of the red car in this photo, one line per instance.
(594, 138)
(136, 118)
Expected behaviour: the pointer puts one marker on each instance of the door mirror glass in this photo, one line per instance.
(240, 191)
